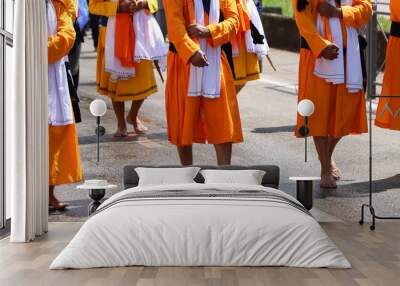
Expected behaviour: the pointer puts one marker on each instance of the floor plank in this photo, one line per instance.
(375, 257)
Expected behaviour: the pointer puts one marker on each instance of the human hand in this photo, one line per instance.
(124, 6)
(198, 31)
(199, 59)
(331, 52)
(141, 4)
(327, 10)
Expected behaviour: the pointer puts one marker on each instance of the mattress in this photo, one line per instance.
(201, 225)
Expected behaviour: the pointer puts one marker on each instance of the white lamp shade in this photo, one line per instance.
(98, 107)
(305, 107)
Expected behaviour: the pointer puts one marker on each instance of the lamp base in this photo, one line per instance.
(304, 193)
(100, 130)
(96, 195)
(304, 190)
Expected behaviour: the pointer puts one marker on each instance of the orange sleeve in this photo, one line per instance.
(103, 7)
(306, 23)
(223, 32)
(358, 14)
(72, 9)
(177, 33)
(59, 44)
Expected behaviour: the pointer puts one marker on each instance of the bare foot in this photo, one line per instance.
(57, 205)
(327, 181)
(138, 125)
(335, 171)
(120, 133)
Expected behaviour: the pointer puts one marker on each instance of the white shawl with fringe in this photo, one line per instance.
(59, 102)
(206, 81)
(333, 71)
(149, 45)
(261, 50)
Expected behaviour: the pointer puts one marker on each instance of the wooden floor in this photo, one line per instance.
(375, 257)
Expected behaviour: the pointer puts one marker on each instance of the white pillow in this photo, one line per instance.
(248, 177)
(166, 176)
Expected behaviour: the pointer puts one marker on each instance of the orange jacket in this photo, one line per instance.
(109, 8)
(60, 44)
(179, 17)
(355, 16)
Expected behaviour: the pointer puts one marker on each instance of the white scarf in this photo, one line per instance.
(149, 45)
(333, 70)
(59, 102)
(261, 50)
(206, 81)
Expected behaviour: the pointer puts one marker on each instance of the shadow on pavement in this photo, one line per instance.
(281, 89)
(89, 83)
(277, 129)
(76, 209)
(360, 189)
(85, 140)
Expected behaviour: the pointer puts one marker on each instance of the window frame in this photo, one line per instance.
(6, 39)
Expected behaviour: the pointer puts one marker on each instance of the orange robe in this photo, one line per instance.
(64, 159)
(337, 112)
(388, 113)
(198, 119)
(246, 65)
(136, 88)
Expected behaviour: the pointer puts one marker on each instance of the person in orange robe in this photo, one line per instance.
(135, 89)
(337, 111)
(64, 159)
(388, 112)
(199, 119)
(246, 65)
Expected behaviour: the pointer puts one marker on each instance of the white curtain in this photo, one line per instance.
(26, 124)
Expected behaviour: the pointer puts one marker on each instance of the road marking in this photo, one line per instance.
(293, 88)
(288, 85)
(149, 144)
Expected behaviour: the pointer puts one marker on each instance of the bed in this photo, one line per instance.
(197, 224)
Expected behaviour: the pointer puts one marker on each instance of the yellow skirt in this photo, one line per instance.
(64, 159)
(246, 66)
(388, 113)
(136, 88)
(337, 112)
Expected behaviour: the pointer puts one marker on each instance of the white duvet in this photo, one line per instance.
(204, 231)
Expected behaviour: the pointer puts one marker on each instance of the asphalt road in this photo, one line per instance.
(268, 112)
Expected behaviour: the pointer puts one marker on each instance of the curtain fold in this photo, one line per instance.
(26, 124)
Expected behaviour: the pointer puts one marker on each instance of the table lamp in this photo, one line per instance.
(98, 108)
(305, 108)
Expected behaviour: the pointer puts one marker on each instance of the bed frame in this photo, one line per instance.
(270, 179)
